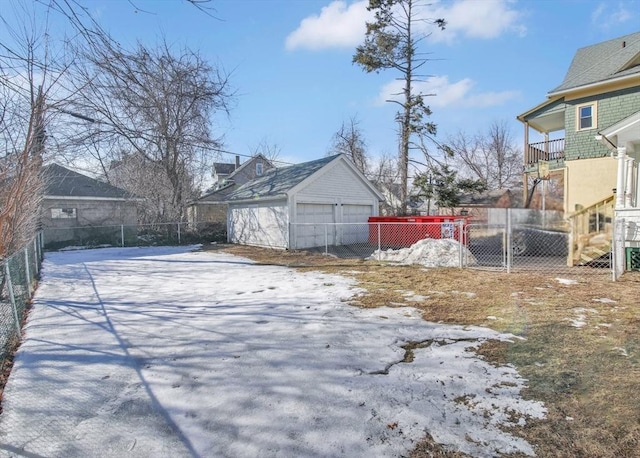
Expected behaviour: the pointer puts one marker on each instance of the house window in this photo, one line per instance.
(63, 213)
(259, 169)
(587, 116)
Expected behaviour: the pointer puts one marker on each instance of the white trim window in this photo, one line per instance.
(259, 169)
(587, 116)
(63, 213)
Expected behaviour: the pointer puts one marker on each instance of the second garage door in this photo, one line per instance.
(355, 229)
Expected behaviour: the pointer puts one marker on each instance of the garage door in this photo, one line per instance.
(315, 225)
(355, 229)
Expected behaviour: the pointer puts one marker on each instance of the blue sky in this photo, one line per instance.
(290, 62)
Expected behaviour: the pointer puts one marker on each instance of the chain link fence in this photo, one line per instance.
(511, 240)
(505, 246)
(442, 244)
(56, 238)
(519, 248)
(17, 284)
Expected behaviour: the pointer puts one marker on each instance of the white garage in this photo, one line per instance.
(326, 201)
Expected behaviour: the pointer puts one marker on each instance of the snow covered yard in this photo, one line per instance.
(170, 352)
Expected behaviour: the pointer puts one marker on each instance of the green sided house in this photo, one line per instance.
(583, 142)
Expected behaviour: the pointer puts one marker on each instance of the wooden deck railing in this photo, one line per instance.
(544, 151)
(589, 222)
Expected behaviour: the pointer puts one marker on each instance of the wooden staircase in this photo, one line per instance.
(591, 233)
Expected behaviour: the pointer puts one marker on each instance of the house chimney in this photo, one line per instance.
(237, 161)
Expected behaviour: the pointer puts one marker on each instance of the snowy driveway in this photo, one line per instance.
(151, 352)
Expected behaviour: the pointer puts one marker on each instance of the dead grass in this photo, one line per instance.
(580, 349)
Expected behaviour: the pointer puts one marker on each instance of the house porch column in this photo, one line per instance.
(629, 188)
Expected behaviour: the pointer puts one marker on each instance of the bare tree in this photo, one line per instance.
(391, 42)
(490, 156)
(155, 104)
(20, 184)
(268, 149)
(348, 140)
(384, 174)
(27, 76)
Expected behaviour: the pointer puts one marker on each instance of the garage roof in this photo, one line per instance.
(277, 182)
(62, 182)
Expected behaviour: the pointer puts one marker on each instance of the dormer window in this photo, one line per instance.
(259, 169)
(586, 116)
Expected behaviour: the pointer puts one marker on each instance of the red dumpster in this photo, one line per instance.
(404, 231)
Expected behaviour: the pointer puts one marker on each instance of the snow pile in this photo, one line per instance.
(429, 253)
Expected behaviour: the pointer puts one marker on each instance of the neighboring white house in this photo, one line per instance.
(303, 206)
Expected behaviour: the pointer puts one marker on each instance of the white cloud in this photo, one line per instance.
(445, 94)
(341, 25)
(484, 19)
(608, 15)
(337, 26)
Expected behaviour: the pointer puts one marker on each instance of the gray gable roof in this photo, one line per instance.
(62, 182)
(223, 168)
(217, 195)
(603, 61)
(276, 182)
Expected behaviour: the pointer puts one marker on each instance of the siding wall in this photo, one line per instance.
(248, 172)
(335, 184)
(589, 181)
(88, 213)
(612, 107)
(207, 213)
(262, 224)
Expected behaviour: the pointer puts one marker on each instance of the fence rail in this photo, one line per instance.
(18, 278)
(513, 243)
(133, 235)
(506, 246)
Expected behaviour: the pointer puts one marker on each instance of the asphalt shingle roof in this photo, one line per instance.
(603, 61)
(276, 182)
(222, 168)
(60, 181)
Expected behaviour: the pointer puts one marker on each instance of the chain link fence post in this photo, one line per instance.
(379, 244)
(27, 272)
(461, 243)
(509, 241)
(618, 248)
(36, 255)
(12, 297)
